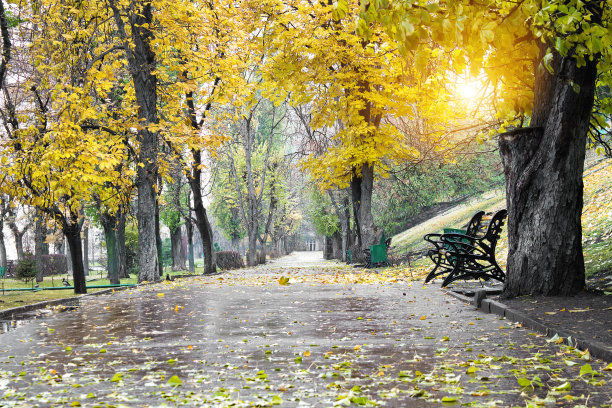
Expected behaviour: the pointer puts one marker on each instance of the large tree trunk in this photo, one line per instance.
(178, 253)
(543, 165)
(361, 192)
(252, 252)
(336, 241)
(72, 231)
(142, 66)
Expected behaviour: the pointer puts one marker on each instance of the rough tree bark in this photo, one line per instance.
(195, 182)
(18, 237)
(235, 237)
(40, 232)
(86, 250)
(71, 228)
(2, 245)
(362, 186)
(158, 240)
(543, 165)
(141, 63)
(190, 254)
(344, 216)
(178, 252)
(109, 224)
(123, 271)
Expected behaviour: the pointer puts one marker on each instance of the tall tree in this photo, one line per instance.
(134, 20)
(544, 162)
(349, 82)
(544, 61)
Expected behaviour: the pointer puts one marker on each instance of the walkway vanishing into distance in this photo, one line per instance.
(297, 332)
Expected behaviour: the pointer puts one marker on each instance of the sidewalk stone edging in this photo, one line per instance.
(596, 349)
(8, 314)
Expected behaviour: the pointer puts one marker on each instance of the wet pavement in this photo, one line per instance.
(332, 336)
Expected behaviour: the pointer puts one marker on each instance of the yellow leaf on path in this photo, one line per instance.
(283, 281)
(356, 347)
(307, 353)
(161, 294)
(423, 317)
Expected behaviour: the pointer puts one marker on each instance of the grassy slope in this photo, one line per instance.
(596, 220)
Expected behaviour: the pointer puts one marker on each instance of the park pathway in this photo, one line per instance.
(298, 332)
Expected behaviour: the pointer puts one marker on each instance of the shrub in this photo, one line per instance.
(229, 260)
(26, 269)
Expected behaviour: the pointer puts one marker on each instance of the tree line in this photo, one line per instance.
(106, 103)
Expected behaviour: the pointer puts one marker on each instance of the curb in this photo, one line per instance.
(10, 313)
(596, 349)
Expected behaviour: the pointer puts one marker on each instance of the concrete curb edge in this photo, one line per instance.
(596, 349)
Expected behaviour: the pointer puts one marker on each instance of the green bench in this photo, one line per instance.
(469, 255)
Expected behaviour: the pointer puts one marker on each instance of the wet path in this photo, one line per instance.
(243, 339)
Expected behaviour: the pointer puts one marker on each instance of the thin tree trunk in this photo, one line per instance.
(356, 200)
(178, 253)
(18, 237)
(210, 265)
(543, 166)
(68, 257)
(39, 240)
(235, 244)
(86, 250)
(2, 246)
(158, 241)
(190, 256)
(123, 271)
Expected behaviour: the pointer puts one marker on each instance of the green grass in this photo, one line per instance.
(15, 299)
(597, 219)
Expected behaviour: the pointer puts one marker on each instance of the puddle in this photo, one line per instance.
(8, 325)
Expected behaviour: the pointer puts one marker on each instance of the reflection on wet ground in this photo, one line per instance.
(302, 344)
